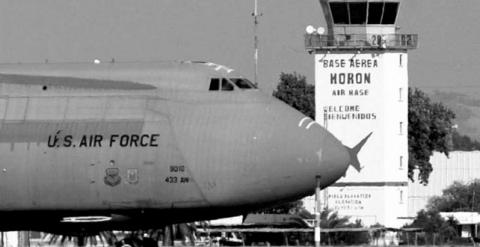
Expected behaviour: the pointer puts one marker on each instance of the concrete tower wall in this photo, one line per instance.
(358, 92)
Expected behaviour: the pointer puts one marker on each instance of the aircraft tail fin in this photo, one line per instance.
(354, 152)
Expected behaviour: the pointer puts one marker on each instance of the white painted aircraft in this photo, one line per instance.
(118, 146)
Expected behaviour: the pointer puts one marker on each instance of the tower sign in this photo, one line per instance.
(361, 86)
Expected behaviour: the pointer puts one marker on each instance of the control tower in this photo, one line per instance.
(361, 86)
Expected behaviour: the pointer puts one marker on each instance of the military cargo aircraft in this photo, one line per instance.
(99, 146)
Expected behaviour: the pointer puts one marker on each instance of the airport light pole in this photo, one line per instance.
(317, 236)
(325, 125)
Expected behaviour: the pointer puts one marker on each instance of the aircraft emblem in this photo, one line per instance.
(132, 176)
(112, 177)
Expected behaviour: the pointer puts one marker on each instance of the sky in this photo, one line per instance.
(221, 31)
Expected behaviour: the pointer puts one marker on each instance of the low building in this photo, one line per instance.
(468, 222)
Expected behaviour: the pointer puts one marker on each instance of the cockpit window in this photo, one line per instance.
(243, 83)
(226, 85)
(214, 84)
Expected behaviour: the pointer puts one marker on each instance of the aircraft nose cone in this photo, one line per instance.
(331, 156)
(334, 159)
(294, 150)
(300, 150)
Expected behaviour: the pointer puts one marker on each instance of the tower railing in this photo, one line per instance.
(360, 41)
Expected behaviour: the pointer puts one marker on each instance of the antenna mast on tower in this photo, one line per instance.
(255, 44)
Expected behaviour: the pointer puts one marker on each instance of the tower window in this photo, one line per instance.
(401, 162)
(401, 196)
(390, 13)
(400, 94)
(339, 13)
(375, 11)
(401, 128)
(358, 13)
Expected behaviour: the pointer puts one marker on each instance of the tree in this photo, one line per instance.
(429, 128)
(437, 229)
(294, 90)
(330, 219)
(463, 142)
(457, 197)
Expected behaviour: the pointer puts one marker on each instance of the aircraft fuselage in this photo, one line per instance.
(88, 142)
